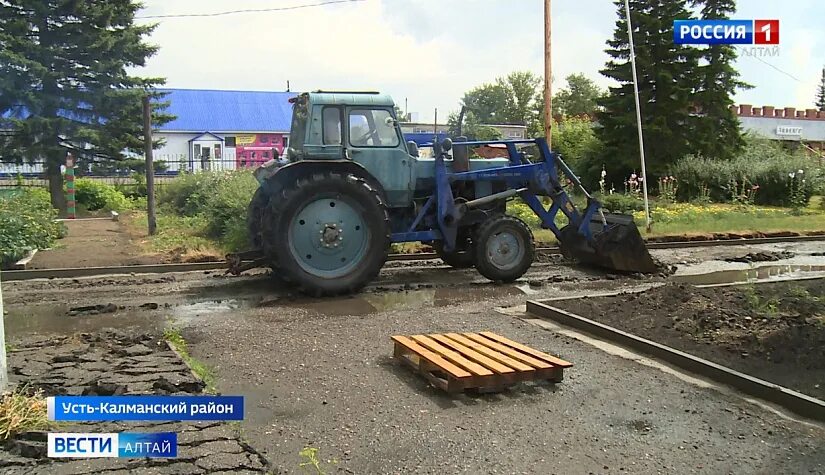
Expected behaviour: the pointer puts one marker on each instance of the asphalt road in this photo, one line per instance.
(326, 379)
(319, 373)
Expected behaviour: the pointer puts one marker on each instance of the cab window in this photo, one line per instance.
(372, 128)
(332, 126)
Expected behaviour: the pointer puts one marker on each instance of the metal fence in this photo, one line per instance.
(121, 173)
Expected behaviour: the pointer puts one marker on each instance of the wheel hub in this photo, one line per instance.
(316, 237)
(504, 250)
(331, 235)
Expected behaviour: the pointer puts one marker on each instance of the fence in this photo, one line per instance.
(120, 173)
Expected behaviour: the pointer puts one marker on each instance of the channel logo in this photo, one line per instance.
(731, 32)
(122, 445)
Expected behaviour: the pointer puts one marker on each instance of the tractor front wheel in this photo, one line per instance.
(328, 232)
(503, 248)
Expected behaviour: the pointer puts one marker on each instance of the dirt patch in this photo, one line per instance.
(94, 243)
(775, 332)
(115, 363)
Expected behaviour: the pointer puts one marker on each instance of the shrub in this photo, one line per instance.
(762, 163)
(220, 198)
(27, 222)
(622, 203)
(95, 195)
(187, 194)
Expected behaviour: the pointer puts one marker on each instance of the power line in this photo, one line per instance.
(771, 65)
(256, 10)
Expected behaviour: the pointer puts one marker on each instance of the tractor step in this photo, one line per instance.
(482, 362)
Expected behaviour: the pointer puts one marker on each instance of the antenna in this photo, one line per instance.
(287, 85)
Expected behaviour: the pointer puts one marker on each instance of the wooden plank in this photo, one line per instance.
(526, 349)
(527, 359)
(452, 356)
(433, 358)
(479, 358)
(498, 356)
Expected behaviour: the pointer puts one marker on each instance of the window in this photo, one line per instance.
(266, 155)
(515, 134)
(372, 128)
(285, 140)
(332, 126)
(229, 141)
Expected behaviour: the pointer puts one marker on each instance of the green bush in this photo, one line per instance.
(622, 203)
(220, 198)
(27, 222)
(762, 163)
(95, 195)
(187, 194)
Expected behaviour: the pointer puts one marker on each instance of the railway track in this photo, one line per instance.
(68, 273)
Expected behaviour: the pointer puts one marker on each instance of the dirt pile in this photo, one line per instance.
(772, 331)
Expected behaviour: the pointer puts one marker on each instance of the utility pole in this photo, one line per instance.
(150, 167)
(4, 373)
(638, 113)
(548, 76)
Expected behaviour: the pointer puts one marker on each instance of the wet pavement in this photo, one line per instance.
(319, 372)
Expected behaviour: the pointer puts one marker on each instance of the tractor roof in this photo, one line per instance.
(351, 98)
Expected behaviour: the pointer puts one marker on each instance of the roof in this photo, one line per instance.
(199, 110)
(350, 98)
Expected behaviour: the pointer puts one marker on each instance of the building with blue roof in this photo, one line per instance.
(222, 129)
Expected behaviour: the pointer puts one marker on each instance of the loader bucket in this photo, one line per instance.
(619, 247)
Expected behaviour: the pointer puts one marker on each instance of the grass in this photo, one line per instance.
(201, 370)
(181, 236)
(690, 219)
(185, 237)
(22, 412)
(309, 455)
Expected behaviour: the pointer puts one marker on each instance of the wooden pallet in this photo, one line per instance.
(481, 361)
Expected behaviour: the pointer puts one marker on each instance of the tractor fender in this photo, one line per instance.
(290, 172)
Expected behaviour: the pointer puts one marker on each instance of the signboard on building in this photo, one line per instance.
(787, 131)
(245, 139)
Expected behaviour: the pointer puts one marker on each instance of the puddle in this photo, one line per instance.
(56, 319)
(411, 299)
(37, 319)
(769, 272)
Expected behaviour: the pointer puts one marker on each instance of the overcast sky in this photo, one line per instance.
(431, 51)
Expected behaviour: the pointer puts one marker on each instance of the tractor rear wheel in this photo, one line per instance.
(503, 248)
(328, 232)
(254, 216)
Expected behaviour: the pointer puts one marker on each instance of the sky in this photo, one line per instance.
(427, 53)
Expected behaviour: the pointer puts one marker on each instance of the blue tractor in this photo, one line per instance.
(324, 219)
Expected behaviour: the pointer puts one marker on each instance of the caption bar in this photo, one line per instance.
(122, 445)
(145, 408)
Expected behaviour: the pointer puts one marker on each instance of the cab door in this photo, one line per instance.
(374, 139)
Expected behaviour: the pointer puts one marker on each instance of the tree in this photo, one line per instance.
(579, 98)
(665, 72)
(820, 93)
(64, 85)
(716, 132)
(509, 100)
(472, 128)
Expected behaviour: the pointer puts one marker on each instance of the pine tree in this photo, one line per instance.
(716, 127)
(665, 71)
(64, 85)
(820, 93)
